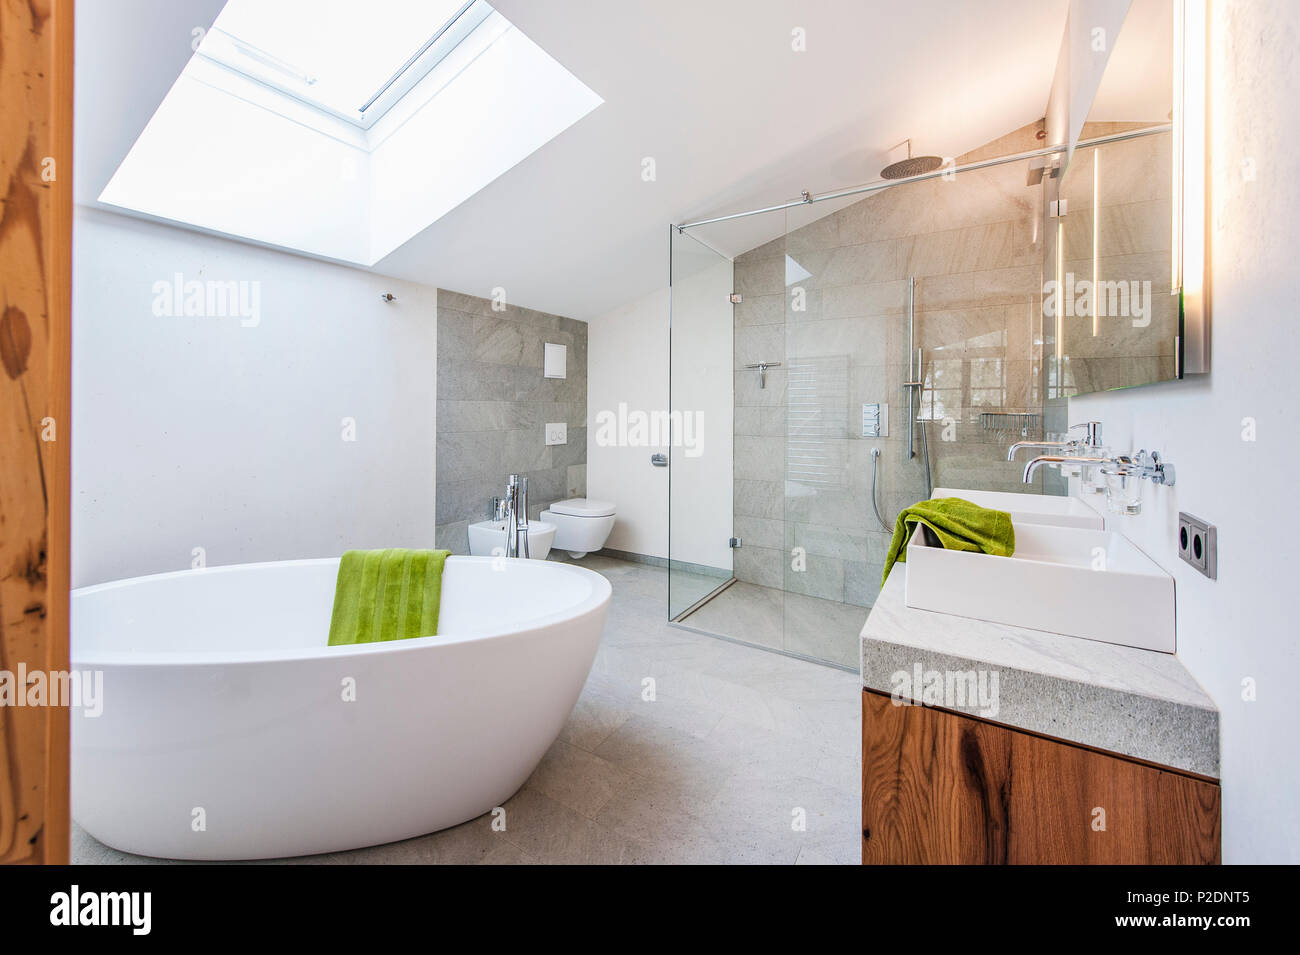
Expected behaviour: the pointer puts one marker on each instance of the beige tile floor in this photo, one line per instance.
(810, 626)
(737, 746)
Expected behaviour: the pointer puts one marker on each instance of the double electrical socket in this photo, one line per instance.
(1198, 544)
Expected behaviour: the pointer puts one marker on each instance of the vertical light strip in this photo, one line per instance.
(1060, 306)
(1096, 232)
(1176, 203)
(1190, 216)
(1194, 154)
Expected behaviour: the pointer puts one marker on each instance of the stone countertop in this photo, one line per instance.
(1136, 703)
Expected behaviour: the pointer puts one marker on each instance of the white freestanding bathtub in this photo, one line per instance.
(230, 730)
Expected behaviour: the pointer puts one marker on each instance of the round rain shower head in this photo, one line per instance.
(911, 166)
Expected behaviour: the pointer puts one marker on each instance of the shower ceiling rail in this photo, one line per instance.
(937, 174)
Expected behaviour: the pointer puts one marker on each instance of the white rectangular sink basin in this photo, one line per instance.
(1031, 508)
(1069, 580)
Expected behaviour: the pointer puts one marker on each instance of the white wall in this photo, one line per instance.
(210, 432)
(1241, 626)
(703, 384)
(627, 361)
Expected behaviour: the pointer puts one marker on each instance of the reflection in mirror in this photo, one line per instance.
(1115, 321)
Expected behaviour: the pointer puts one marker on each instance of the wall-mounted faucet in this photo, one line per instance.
(1123, 474)
(1042, 459)
(1088, 445)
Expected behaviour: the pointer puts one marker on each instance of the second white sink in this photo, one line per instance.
(1063, 511)
(1069, 580)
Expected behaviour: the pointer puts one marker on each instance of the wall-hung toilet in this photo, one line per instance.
(581, 525)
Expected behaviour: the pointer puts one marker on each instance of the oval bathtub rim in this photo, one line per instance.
(597, 599)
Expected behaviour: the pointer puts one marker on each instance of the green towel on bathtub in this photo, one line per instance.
(959, 525)
(387, 594)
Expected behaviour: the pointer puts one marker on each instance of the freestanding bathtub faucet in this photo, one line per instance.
(516, 502)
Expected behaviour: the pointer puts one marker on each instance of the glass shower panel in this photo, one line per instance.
(846, 439)
(912, 359)
(887, 345)
(698, 427)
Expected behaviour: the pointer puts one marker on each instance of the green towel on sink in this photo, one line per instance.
(959, 525)
(387, 594)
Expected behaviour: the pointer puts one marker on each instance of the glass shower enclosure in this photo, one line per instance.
(801, 335)
(701, 344)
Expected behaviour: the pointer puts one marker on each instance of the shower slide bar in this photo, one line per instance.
(937, 174)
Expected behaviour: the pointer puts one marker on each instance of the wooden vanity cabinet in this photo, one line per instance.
(944, 787)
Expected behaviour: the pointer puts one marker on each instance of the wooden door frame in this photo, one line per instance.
(36, 86)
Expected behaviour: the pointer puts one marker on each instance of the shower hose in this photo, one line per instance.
(875, 464)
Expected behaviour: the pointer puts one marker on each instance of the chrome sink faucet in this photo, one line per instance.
(1089, 445)
(1086, 445)
(516, 516)
(1038, 462)
(1146, 465)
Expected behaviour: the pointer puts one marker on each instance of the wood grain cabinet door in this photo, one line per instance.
(939, 787)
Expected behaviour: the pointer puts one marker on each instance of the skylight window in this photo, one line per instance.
(321, 52)
(341, 128)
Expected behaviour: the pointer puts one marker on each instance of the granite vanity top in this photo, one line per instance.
(1136, 703)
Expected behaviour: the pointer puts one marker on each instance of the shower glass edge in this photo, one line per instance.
(698, 438)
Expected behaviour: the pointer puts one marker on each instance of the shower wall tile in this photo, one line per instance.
(759, 458)
(840, 506)
(863, 340)
(996, 245)
(757, 421)
(760, 565)
(493, 405)
(826, 540)
(857, 301)
(804, 304)
(759, 498)
(757, 343)
(759, 531)
(748, 420)
(761, 277)
(760, 310)
(861, 582)
(867, 264)
(821, 577)
(973, 289)
(816, 236)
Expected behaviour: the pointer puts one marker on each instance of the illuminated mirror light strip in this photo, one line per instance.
(1189, 218)
(1096, 230)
